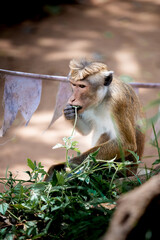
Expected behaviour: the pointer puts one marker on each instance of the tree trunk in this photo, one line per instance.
(137, 213)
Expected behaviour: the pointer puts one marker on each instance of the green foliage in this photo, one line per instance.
(3, 208)
(155, 144)
(151, 122)
(68, 207)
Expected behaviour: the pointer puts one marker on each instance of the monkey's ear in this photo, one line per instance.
(108, 76)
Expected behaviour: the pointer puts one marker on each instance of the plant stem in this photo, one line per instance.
(99, 169)
(113, 178)
(134, 175)
(18, 180)
(75, 121)
(158, 148)
(13, 215)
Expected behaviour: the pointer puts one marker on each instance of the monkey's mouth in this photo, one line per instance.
(78, 107)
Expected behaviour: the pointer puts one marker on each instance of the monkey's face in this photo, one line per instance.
(86, 95)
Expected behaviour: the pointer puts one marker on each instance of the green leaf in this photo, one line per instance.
(31, 164)
(48, 225)
(3, 208)
(19, 206)
(31, 223)
(10, 236)
(92, 192)
(28, 172)
(74, 143)
(44, 198)
(87, 179)
(39, 186)
(25, 206)
(44, 207)
(60, 178)
(34, 197)
(75, 149)
(42, 171)
(134, 154)
(94, 154)
(55, 208)
(156, 162)
(3, 231)
(40, 165)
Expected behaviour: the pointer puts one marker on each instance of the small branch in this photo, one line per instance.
(18, 180)
(13, 215)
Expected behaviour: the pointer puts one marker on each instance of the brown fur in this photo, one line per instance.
(118, 98)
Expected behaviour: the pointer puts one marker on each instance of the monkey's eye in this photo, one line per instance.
(82, 86)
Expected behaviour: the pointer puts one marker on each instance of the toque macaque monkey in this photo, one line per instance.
(108, 107)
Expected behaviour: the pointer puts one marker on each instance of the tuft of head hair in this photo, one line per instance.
(80, 69)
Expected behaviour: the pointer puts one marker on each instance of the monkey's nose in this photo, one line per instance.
(71, 100)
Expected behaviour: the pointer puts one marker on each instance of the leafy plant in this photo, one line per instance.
(68, 207)
(155, 144)
(151, 122)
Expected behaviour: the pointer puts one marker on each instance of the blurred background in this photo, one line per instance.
(42, 37)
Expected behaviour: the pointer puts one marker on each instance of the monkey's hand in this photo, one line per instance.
(69, 112)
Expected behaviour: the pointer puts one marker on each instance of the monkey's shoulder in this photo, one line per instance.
(121, 89)
(122, 95)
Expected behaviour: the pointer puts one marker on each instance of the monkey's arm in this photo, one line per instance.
(81, 126)
(107, 151)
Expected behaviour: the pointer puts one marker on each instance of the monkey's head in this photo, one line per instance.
(89, 81)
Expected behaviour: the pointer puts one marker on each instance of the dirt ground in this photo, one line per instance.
(123, 34)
